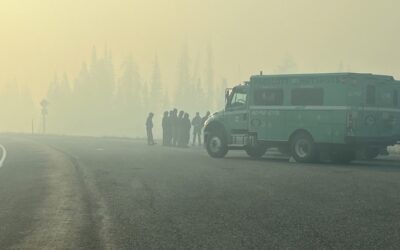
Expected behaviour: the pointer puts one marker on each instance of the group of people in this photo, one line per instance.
(176, 128)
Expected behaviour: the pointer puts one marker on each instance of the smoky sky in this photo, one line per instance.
(47, 37)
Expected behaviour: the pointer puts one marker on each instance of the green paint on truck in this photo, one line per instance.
(306, 115)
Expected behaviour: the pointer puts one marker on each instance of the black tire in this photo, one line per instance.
(216, 145)
(303, 148)
(371, 153)
(343, 157)
(256, 152)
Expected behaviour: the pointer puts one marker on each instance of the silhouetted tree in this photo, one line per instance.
(128, 102)
(184, 89)
(156, 92)
(200, 103)
(101, 103)
(60, 104)
(210, 88)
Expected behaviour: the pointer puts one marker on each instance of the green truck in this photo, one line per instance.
(341, 115)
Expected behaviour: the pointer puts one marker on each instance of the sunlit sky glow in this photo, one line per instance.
(41, 38)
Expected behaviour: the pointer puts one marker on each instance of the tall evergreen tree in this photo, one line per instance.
(128, 101)
(184, 90)
(103, 88)
(145, 98)
(60, 104)
(82, 101)
(200, 104)
(156, 92)
(210, 88)
(126, 88)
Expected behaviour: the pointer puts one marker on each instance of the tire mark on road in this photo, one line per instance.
(59, 220)
(97, 209)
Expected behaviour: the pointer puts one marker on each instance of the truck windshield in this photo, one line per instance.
(238, 98)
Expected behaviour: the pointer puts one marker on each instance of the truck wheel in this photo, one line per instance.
(303, 148)
(343, 157)
(256, 151)
(216, 145)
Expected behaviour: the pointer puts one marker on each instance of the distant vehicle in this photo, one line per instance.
(337, 114)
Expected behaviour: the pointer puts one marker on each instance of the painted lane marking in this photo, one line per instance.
(4, 155)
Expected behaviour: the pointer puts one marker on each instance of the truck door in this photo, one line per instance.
(237, 115)
(378, 116)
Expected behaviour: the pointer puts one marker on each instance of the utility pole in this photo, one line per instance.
(44, 105)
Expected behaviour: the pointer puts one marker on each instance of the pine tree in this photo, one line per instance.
(210, 79)
(125, 90)
(200, 101)
(184, 88)
(59, 98)
(156, 93)
(166, 103)
(82, 100)
(102, 85)
(128, 98)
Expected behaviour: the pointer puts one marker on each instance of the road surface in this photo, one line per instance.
(107, 193)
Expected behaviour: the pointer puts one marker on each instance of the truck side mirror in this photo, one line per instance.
(227, 94)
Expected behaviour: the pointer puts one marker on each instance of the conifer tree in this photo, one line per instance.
(210, 88)
(184, 89)
(156, 92)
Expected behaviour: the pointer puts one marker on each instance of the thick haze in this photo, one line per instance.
(42, 38)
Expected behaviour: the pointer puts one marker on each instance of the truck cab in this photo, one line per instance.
(228, 129)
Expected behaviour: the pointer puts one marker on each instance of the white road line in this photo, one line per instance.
(4, 155)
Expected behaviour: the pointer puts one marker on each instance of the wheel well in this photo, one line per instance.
(299, 131)
(214, 126)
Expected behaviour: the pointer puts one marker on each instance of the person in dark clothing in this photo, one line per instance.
(197, 125)
(186, 125)
(204, 119)
(175, 129)
(179, 128)
(165, 128)
(149, 129)
(170, 128)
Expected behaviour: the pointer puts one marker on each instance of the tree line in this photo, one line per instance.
(98, 101)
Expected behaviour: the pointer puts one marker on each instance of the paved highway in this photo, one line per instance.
(105, 193)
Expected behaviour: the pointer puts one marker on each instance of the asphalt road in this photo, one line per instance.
(105, 193)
